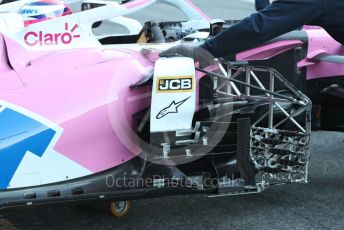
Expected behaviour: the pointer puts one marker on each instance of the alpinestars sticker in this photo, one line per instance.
(172, 108)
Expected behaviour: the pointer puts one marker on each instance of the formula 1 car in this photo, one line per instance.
(80, 120)
(309, 58)
(314, 62)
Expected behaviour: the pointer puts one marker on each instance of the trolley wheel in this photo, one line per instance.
(119, 208)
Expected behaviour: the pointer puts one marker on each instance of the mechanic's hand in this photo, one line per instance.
(186, 50)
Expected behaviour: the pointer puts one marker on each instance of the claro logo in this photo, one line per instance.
(41, 38)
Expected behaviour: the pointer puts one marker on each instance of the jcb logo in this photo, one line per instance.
(172, 85)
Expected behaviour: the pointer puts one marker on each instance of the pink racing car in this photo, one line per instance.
(81, 120)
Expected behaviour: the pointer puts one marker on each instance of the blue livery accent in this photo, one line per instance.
(19, 134)
(28, 11)
(42, 4)
(40, 16)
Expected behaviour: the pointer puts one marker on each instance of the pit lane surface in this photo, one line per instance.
(317, 205)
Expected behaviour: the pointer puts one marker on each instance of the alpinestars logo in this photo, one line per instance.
(172, 108)
(41, 38)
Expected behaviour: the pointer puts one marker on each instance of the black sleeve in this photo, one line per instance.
(278, 18)
(261, 4)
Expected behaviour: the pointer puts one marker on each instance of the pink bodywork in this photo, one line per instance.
(84, 91)
(268, 51)
(321, 42)
(134, 4)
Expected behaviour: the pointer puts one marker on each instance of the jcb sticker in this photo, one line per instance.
(173, 85)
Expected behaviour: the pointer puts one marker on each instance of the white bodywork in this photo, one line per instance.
(51, 35)
(173, 95)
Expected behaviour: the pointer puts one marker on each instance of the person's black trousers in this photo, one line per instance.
(278, 18)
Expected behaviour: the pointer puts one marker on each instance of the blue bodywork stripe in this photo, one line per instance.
(19, 134)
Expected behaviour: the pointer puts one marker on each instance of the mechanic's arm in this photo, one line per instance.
(261, 4)
(280, 17)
